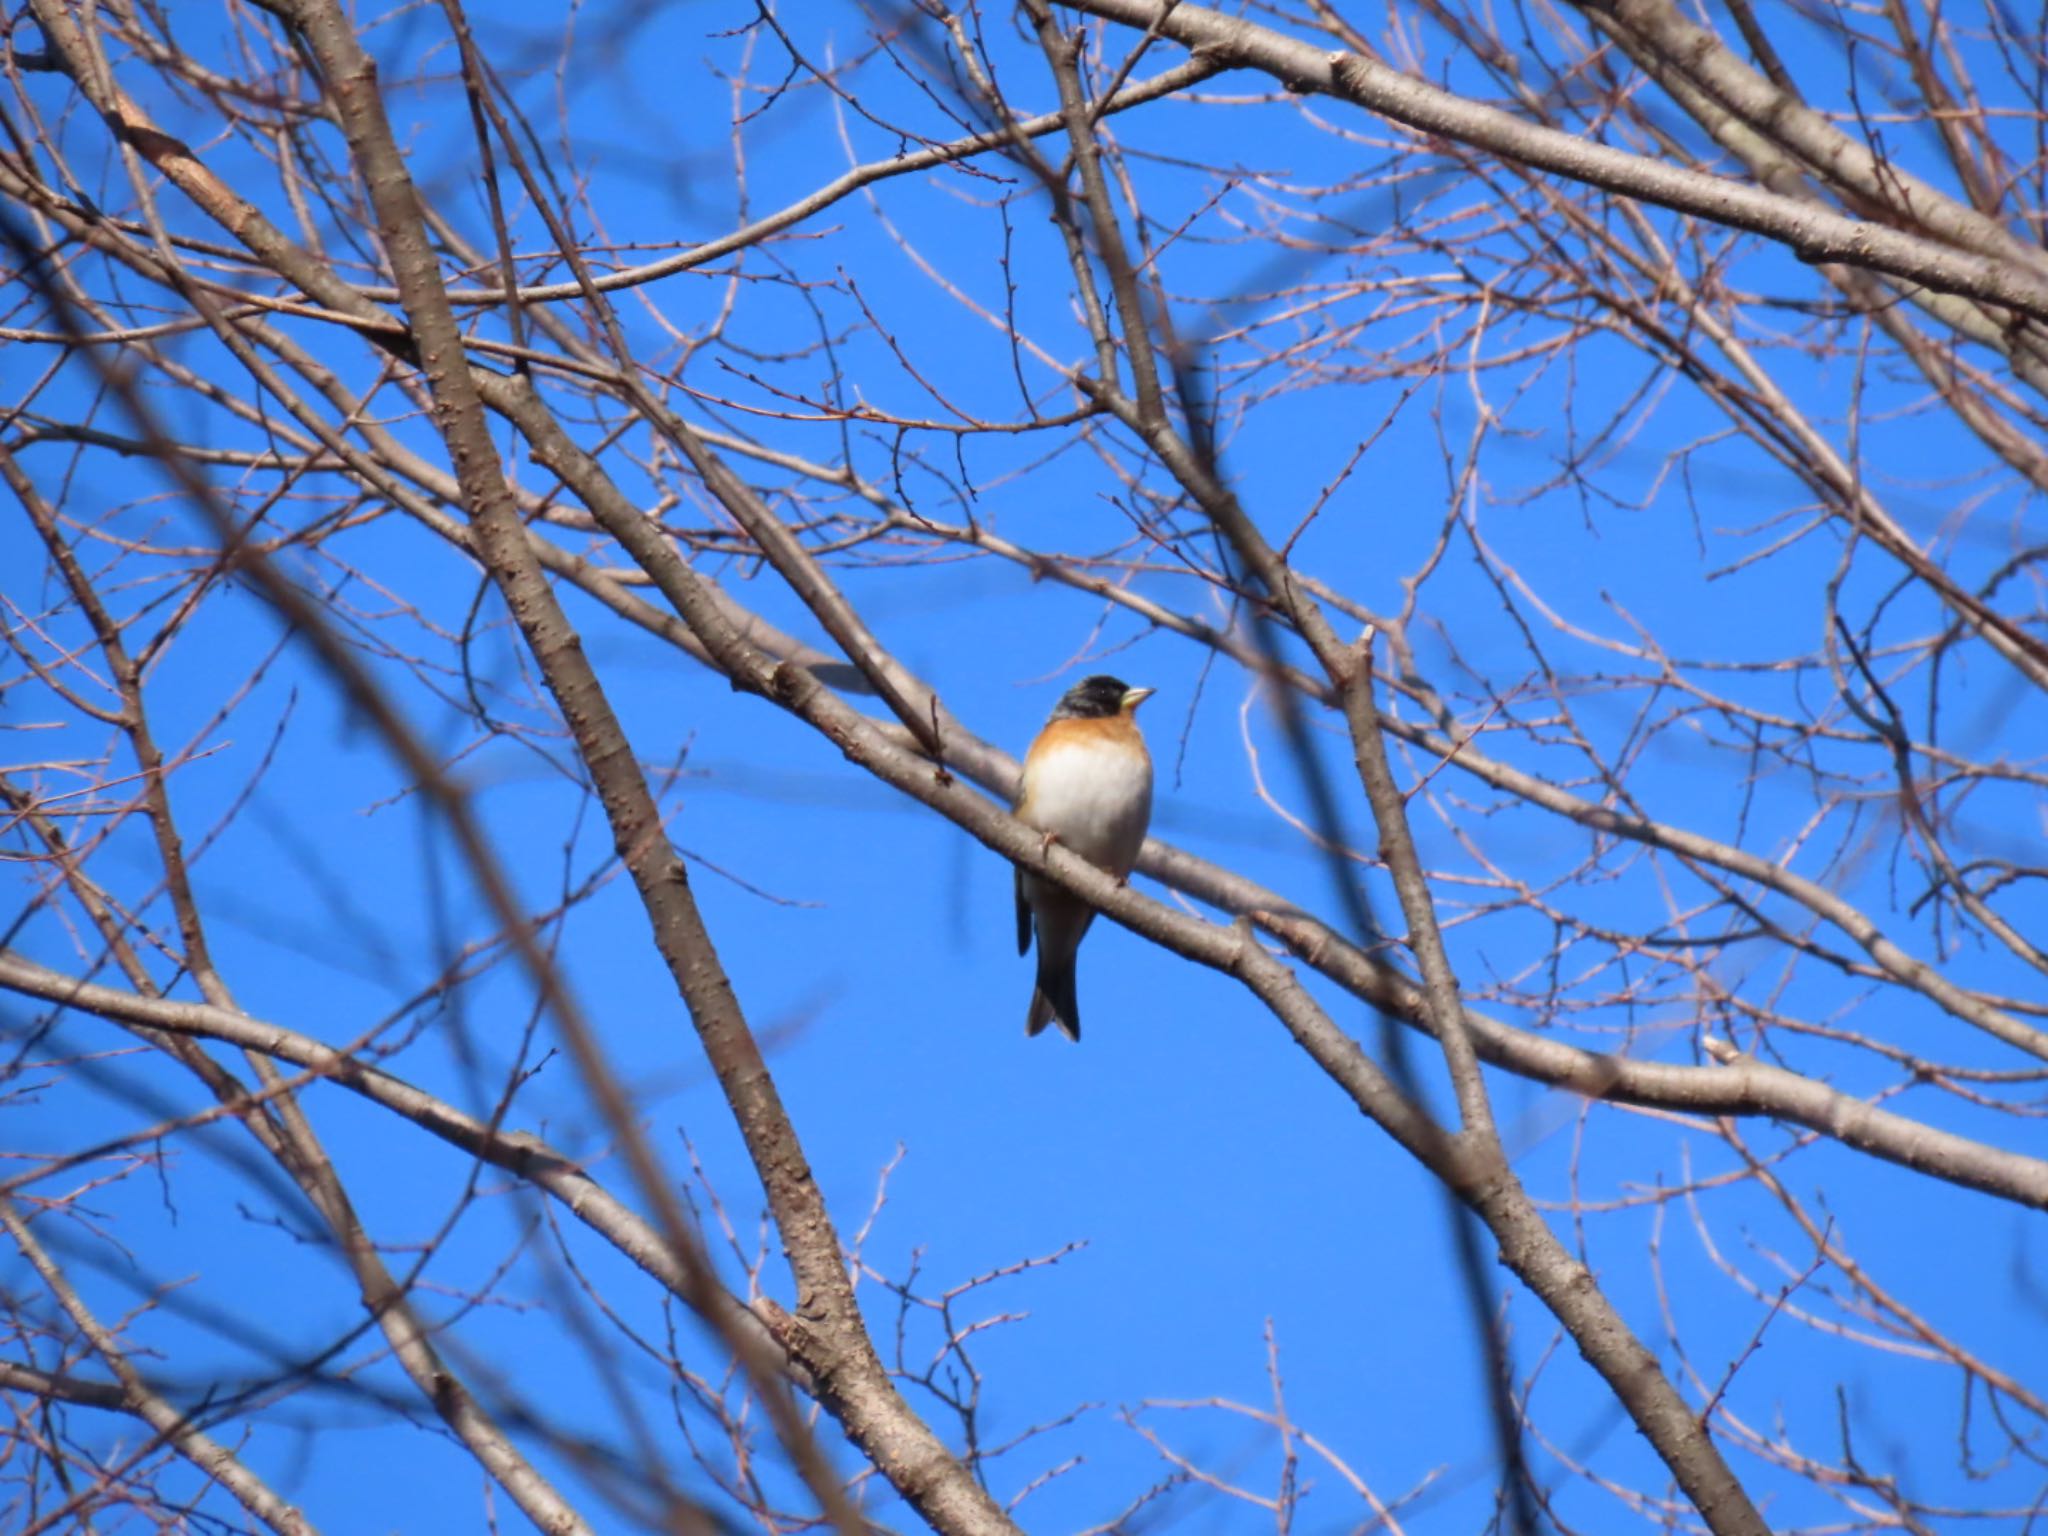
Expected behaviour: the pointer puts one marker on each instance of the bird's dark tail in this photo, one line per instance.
(1053, 1000)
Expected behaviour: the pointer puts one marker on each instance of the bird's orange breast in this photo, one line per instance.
(1089, 783)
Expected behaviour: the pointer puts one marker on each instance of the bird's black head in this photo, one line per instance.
(1099, 698)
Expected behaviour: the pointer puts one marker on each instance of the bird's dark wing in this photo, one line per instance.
(1023, 914)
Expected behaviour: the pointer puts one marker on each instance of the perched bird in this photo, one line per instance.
(1088, 787)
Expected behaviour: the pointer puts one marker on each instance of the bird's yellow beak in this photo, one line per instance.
(1133, 697)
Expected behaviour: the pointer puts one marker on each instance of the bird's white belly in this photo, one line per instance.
(1097, 803)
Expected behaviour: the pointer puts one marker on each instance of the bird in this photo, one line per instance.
(1087, 785)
